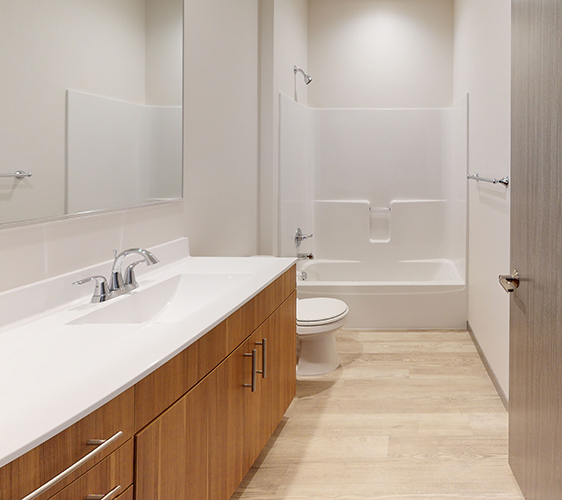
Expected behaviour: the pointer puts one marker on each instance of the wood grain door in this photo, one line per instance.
(171, 452)
(535, 402)
(233, 419)
(279, 387)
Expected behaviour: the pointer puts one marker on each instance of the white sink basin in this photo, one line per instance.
(166, 302)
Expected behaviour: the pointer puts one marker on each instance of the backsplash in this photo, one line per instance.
(35, 252)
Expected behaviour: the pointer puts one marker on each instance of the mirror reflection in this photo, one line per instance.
(91, 105)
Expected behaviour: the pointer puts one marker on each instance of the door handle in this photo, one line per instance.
(509, 282)
(254, 356)
(263, 370)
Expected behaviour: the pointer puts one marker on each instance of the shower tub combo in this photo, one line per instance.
(384, 193)
(393, 295)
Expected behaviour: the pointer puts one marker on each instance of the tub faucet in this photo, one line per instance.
(117, 284)
(305, 256)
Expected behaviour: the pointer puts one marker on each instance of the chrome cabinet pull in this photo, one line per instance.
(254, 355)
(263, 370)
(77, 465)
(107, 496)
(509, 282)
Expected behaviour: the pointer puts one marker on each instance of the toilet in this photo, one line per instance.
(317, 321)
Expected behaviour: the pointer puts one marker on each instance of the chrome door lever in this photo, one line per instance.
(509, 282)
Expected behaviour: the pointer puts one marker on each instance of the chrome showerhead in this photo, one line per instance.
(307, 78)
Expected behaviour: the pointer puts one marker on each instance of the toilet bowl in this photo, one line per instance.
(317, 321)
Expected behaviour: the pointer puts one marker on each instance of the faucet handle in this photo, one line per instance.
(300, 237)
(130, 280)
(101, 293)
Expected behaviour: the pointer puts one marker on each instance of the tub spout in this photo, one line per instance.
(305, 256)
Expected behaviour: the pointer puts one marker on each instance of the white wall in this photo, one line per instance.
(221, 131)
(284, 43)
(482, 68)
(380, 53)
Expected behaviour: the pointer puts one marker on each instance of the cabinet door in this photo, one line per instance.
(279, 385)
(171, 461)
(234, 413)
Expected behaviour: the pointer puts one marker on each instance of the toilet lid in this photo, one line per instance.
(320, 309)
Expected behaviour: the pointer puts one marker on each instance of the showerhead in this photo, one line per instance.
(307, 78)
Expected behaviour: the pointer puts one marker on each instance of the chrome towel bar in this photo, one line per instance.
(476, 177)
(20, 174)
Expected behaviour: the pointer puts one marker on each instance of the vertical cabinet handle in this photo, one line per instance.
(263, 370)
(254, 355)
(107, 496)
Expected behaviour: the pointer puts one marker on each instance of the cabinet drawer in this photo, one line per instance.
(39, 466)
(113, 473)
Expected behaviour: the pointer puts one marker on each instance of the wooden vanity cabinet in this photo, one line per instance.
(202, 447)
(192, 429)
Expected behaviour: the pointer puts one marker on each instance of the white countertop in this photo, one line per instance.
(53, 373)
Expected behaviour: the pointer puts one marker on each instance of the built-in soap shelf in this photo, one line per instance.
(379, 224)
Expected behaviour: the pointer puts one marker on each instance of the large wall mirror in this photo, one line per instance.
(91, 105)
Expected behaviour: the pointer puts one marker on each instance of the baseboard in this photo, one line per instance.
(491, 373)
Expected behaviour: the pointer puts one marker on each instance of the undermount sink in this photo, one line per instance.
(165, 302)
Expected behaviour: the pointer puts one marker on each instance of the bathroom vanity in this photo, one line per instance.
(180, 407)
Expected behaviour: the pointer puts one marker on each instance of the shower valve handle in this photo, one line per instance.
(300, 237)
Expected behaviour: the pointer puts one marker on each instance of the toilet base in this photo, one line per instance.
(317, 354)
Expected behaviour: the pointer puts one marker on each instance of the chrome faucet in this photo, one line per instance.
(116, 283)
(101, 293)
(305, 256)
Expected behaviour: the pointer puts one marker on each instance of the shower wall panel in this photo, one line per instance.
(296, 181)
(375, 184)
(378, 155)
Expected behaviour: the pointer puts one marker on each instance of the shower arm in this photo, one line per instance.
(307, 78)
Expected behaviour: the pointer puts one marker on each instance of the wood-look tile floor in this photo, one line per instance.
(408, 415)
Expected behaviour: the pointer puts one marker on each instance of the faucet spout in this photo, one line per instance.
(116, 282)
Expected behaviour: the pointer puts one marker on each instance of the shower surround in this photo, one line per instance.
(384, 192)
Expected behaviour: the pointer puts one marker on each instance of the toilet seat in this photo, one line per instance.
(320, 311)
(318, 315)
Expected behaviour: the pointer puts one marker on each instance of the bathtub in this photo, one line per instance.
(393, 295)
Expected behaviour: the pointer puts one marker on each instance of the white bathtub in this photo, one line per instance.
(391, 295)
